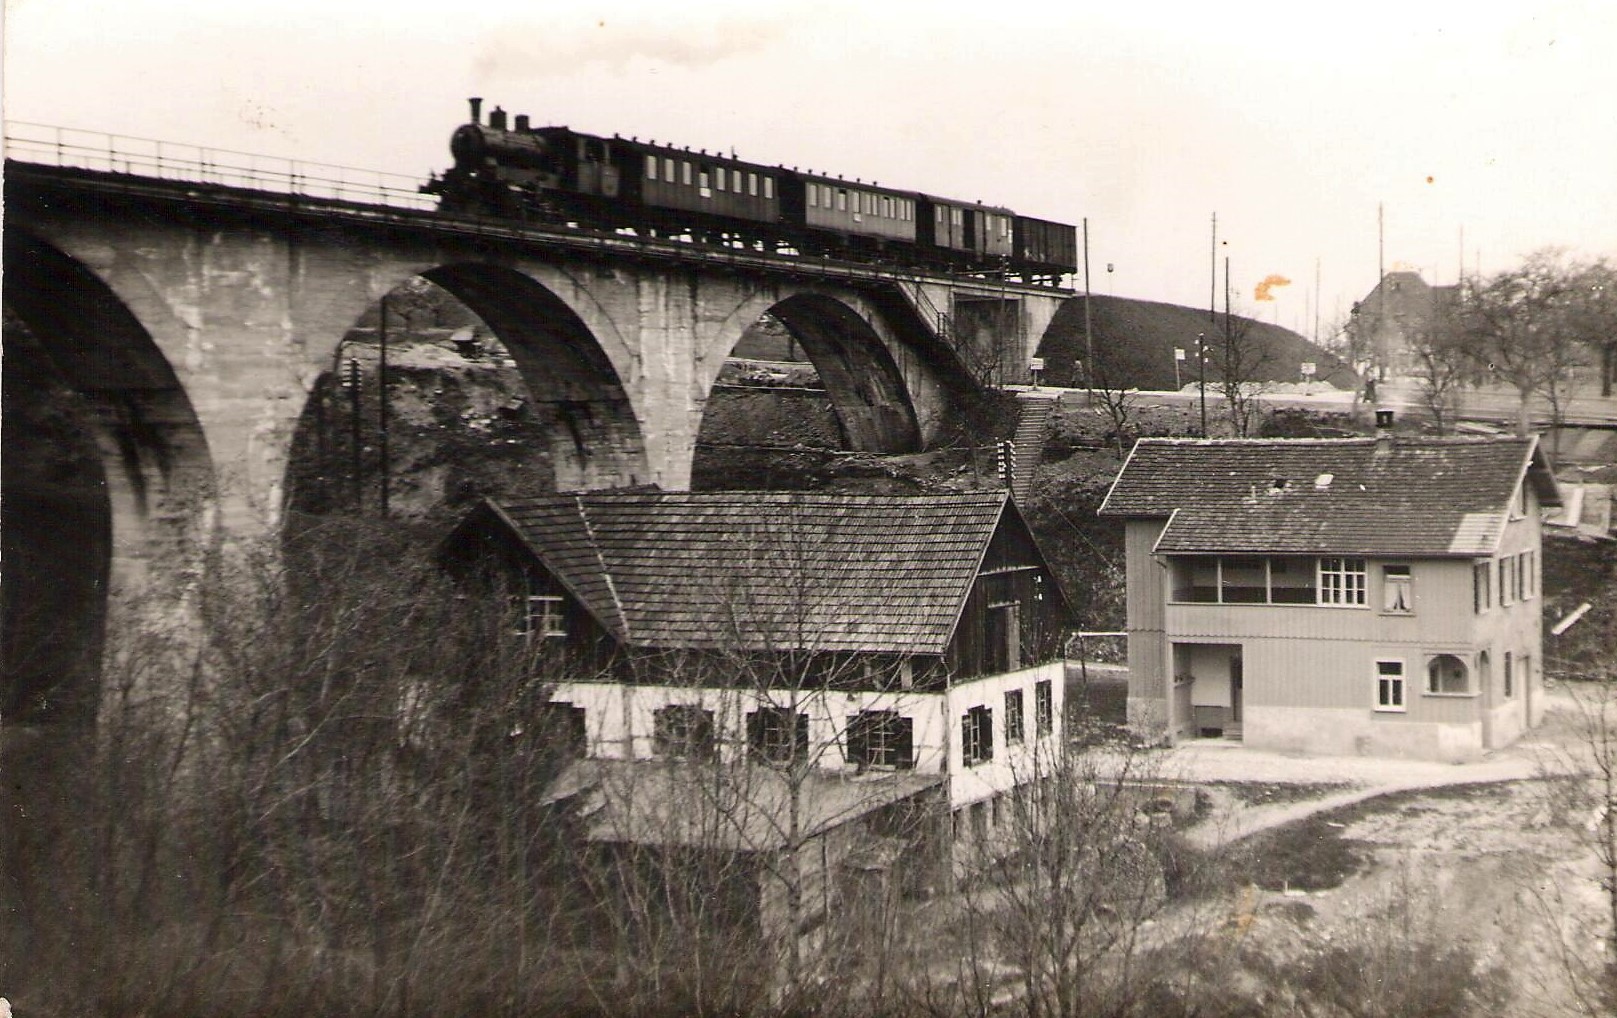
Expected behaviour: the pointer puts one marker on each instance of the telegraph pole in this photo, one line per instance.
(1089, 331)
(1201, 375)
(381, 412)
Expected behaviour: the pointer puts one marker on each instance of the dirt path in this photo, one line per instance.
(1208, 762)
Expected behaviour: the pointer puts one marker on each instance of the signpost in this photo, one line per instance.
(1034, 366)
(1178, 355)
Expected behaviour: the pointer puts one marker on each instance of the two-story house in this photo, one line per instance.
(1336, 596)
(887, 644)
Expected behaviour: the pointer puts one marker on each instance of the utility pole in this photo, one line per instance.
(1201, 375)
(355, 434)
(1212, 268)
(1089, 330)
(381, 412)
(1381, 294)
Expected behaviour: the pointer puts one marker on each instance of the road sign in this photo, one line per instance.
(1308, 369)
(1178, 353)
(1035, 363)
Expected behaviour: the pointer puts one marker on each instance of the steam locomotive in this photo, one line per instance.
(555, 174)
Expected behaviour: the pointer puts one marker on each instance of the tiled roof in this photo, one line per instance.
(765, 570)
(680, 803)
(1420, 496)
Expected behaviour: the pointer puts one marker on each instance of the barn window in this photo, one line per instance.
(1002, 638)
(541, 617)
(881, 738)
(977, 736)
(778, 735)
(683, 731)
(651, 167)
(1446, 674)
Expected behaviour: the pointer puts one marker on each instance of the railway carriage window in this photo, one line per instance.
(842, 200)
(752, 183)
(769, 188)
(685, 172)
(702, 185)
(718, 177)
(651, 167)
(668, 168)
(814, 195)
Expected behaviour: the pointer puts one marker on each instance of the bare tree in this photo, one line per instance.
(1526, 327)
(1243, 360)
(1581, 783)
(1442, 369)
(315, 817)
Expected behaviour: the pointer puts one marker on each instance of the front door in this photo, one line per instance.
(1235, 686)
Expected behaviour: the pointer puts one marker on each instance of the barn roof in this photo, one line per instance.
(1413, 496)
(765, 570)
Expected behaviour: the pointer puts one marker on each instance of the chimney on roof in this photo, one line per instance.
(1384, 417)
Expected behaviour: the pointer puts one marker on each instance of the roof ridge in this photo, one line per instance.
(606, 573)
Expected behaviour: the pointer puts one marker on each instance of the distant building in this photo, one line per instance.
(882, 655)
(1392, 318)
(1338, 596)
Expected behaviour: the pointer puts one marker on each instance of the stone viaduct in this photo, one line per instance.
(194, 319)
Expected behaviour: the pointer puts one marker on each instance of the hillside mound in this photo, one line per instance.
(1146, 332)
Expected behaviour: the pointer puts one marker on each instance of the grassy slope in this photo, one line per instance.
(1152, 330)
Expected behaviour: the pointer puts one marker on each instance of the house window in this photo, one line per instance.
(1507, 581)
(1481, 594)
(562, 726)
(1390, 685)
(1396, 595)
(977, 736)
(881, 738)
(1013, 717)
(1341, 581)
(683, 731)
(1044, 707)
(778, 735)
(542, 617)
(1445, 674)
(1510, 678)
(1291, 580)
(1530, 574)
(1243, 580)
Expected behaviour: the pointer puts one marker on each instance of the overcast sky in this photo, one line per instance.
(1492, 118)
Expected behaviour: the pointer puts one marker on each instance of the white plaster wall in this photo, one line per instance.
(1011, 765)
(1328, 731)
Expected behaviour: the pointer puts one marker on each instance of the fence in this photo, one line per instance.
(165, 160)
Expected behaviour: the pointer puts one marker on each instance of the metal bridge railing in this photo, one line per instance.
(94, 150)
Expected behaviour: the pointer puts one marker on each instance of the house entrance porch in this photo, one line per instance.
(1207, 691)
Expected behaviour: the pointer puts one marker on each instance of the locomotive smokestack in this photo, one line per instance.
(477, 109)
(496, 119)
(522, 121)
